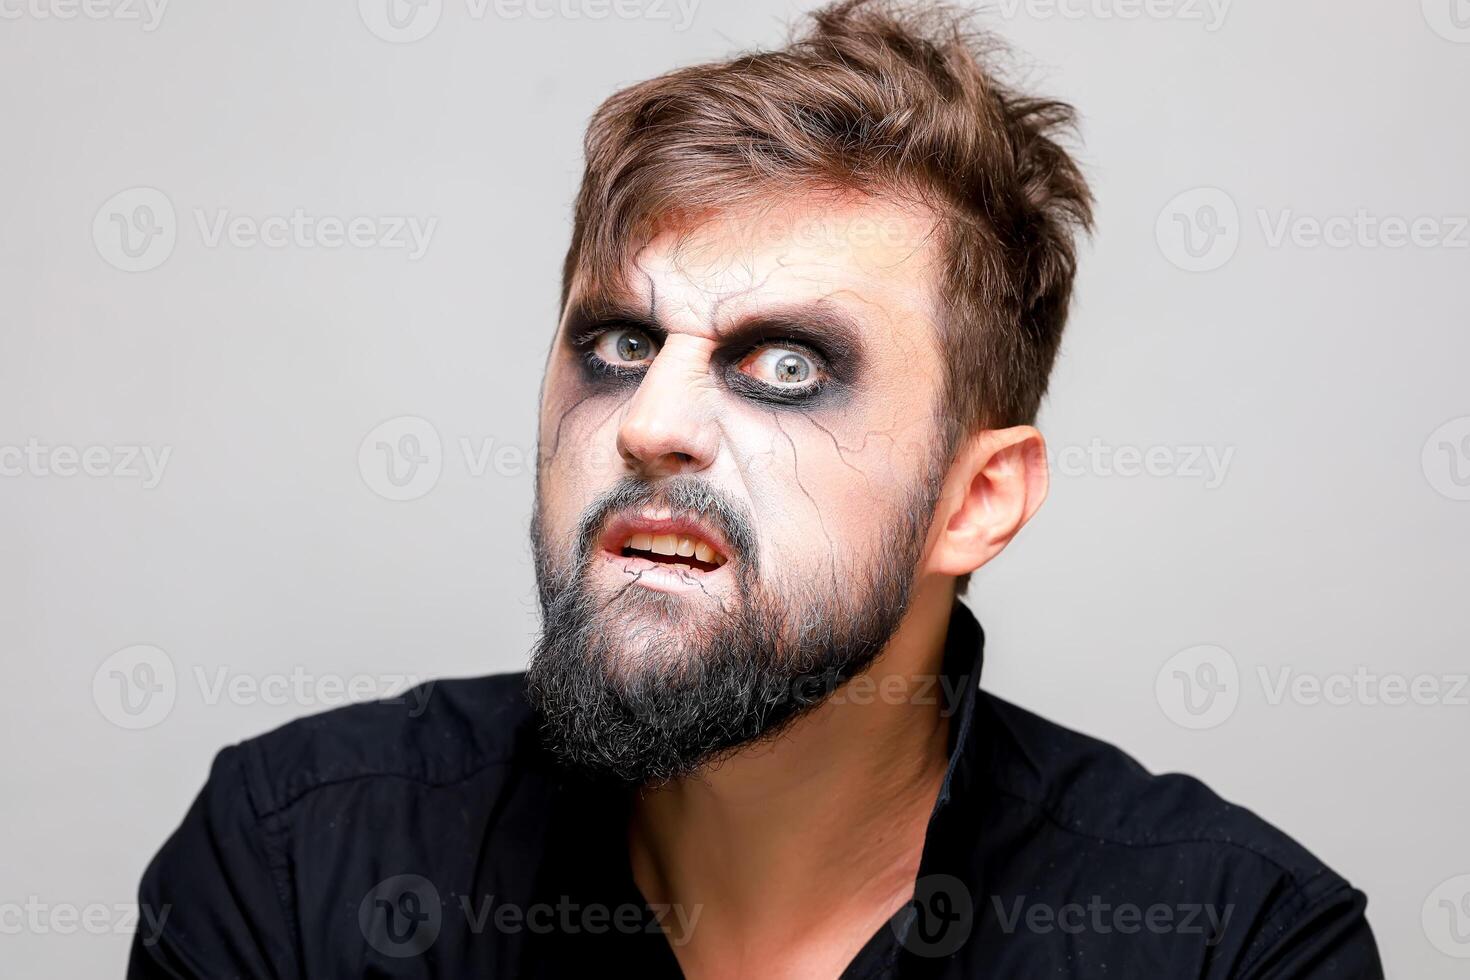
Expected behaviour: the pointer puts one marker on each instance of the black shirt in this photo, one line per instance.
(434, 837)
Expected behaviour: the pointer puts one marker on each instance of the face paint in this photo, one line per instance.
(645, 704)
(737, 476)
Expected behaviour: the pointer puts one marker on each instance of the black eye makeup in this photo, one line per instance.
(779, 360)
(620, 350)
(776, 369)
(615, 349)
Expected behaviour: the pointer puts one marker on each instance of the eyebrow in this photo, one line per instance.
(817, 323)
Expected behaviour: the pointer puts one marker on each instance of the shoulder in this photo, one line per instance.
(303, 820)
(1163, 842)
(1094, 789)
(436, 733)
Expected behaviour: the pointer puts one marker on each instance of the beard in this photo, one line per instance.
(638, 686)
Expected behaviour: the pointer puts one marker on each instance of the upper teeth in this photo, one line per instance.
(675, 544)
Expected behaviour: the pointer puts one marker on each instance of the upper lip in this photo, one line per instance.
(624, 525)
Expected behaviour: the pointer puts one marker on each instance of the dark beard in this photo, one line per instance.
(619, 698)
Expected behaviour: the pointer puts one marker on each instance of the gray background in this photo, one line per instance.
(1335, 377)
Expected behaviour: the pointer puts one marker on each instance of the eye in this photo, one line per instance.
(782, 366)
(625, 347)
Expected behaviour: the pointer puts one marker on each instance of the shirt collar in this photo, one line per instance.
(964, 656)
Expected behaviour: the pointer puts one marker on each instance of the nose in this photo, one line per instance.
(666, 427)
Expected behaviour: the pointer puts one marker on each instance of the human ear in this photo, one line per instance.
(997, 481)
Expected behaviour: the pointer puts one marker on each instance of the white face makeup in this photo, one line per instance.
(788, 361)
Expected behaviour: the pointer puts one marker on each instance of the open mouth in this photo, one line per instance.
(681, 543)
(673, 549)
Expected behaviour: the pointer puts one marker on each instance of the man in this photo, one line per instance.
(809, 310)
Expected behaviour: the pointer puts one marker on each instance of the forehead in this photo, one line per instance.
(874, 261)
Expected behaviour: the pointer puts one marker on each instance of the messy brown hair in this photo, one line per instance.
(882, 98)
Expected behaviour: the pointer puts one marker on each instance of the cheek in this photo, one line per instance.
(825, 488)
(577, 456)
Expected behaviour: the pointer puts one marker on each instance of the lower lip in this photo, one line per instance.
(661, 576)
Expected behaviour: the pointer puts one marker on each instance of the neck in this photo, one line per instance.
(792, 853)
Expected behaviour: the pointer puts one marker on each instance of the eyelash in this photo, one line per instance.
(586, 344)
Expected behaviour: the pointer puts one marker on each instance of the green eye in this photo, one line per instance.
(625, 346)
(782, 367)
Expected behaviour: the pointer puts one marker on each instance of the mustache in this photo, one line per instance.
(684, 496)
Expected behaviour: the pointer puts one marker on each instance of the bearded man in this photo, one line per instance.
(809, 310)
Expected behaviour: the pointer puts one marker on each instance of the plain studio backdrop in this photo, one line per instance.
(277, 285)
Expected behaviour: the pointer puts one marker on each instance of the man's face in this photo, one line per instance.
(739, 460)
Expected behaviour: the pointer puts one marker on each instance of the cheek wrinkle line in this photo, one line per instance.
(841, 451)
(556, 440)
(796, 471)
